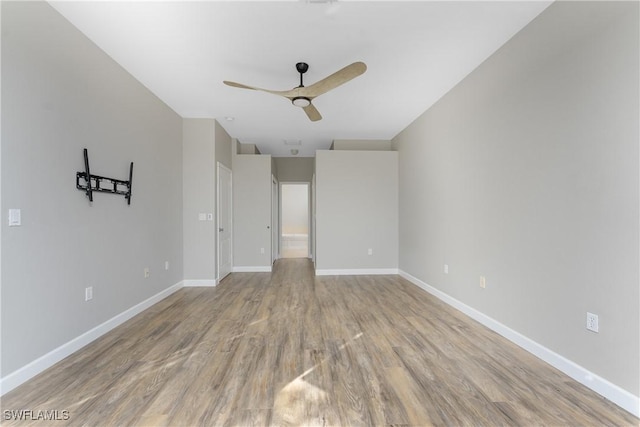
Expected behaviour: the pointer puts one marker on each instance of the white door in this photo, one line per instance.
(225, 249)
(275, 232)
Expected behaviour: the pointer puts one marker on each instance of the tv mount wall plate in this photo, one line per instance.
(103, 184)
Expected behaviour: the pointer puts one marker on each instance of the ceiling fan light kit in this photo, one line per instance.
(302, 95)
(301, 101)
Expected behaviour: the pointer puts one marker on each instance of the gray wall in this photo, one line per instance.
(294, 169)
(361, 144)
(356, 209)
(224, 146)
(199, 196)
(527, 173)
(251, 210)
(205, 143)
(61, 94)
(248, 149)
(274, 167)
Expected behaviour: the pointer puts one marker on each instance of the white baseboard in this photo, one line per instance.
(250, 269)
(356, 271)
(606, 389)
(197, 283)
(33, 368)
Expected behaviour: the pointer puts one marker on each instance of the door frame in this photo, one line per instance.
(312, 217)
(275, 219)
(220, 166)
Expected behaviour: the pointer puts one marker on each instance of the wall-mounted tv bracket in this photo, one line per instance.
(97, 183)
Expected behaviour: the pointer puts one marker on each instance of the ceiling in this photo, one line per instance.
(415, 52)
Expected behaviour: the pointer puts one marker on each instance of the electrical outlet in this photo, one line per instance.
(369, 251)
(446, 269)
(483, 282)
(209, 217)
(88, 293)
(147, 273)
(166, 265)
(262, 250)
(592, 322)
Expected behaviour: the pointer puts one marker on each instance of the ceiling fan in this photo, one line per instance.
(302, 95)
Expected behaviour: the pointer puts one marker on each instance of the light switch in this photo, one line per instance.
(210, 217)
(14, 218)
(202, 217)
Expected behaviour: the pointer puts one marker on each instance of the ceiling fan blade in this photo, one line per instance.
(285, 93)
(240, 85)
(312, 112)
(334, 80)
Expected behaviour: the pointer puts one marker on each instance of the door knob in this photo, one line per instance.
(221, 229)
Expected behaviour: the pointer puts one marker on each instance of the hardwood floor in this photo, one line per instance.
(289, 348)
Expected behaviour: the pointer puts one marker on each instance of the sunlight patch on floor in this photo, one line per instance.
(298, 402)
(295, 404)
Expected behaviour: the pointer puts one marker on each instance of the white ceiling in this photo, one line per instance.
(415, 52)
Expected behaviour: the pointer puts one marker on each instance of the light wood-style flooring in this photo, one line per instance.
(289, 348)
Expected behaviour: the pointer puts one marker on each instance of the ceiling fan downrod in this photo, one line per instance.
(301, 101)
(302, 68)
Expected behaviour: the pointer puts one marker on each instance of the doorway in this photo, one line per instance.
(224, 216)
(294, 214)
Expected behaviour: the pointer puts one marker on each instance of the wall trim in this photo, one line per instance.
(356, 271)
(252, 269)
(603, 387)
(199, 282)
(35, 367)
